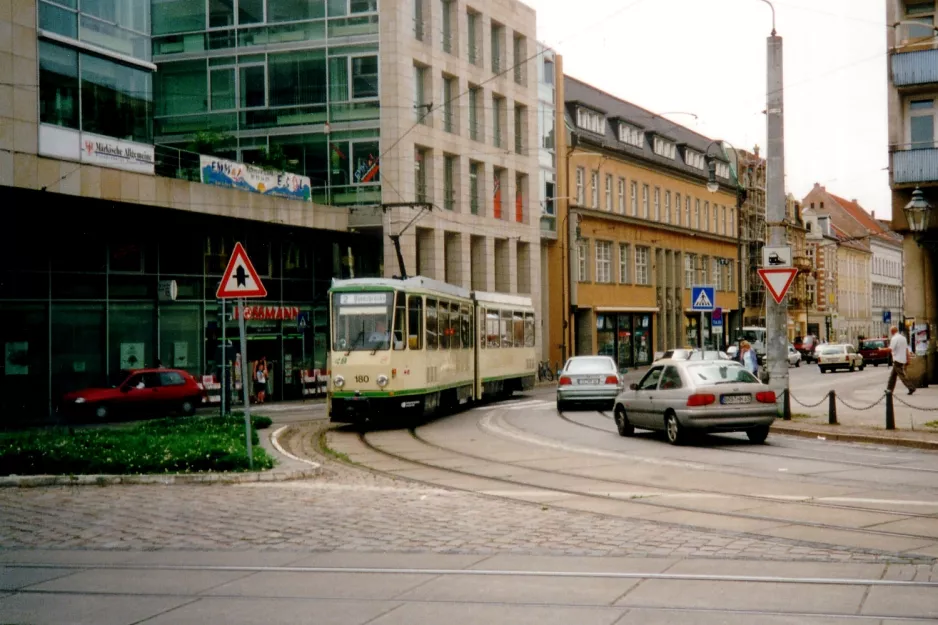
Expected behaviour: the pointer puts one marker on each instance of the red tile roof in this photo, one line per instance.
(862, 217)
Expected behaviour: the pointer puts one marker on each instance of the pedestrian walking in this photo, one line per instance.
(748, 358)
(900, 358)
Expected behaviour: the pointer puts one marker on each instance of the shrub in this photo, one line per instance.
(192, 445)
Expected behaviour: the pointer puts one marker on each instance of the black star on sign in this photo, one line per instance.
(241, 276)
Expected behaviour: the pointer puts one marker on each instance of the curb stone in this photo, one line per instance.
(34, 481)
(855, 438)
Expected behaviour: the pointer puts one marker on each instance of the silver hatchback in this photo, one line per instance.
(681, 396)
(588, 380)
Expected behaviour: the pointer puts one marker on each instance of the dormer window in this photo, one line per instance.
(591, 120)
(695, 159)
(723, 170)
(630, 134)
(665, 148)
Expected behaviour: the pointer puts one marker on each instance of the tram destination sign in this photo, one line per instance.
(357, 299)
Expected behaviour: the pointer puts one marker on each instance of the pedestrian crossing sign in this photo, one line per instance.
(702, 298)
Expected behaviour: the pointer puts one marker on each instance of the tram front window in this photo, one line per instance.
(362, 321)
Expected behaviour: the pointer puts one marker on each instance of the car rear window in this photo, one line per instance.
(830, 351)
(872, 345)
(590, 365)
(720, 373)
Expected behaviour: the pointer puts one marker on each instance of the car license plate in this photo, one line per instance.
(736, 399)
(588, 381)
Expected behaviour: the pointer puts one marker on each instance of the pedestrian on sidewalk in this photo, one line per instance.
(900, 357)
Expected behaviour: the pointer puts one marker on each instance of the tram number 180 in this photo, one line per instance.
(361, 379)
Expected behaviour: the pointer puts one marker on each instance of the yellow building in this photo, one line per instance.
(799, 304)
(638, 228)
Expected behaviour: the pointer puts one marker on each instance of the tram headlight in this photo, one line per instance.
(382, 380)
(339, 381)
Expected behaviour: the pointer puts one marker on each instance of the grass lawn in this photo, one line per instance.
(184, 445)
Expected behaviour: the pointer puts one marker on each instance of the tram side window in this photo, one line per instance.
(465, 327)
(443, 323)
(432, 337)
(529, 329)
(505, 328)
(517, 327)
(491, 327)
(415, 322)
(483, 335)
(400, 312)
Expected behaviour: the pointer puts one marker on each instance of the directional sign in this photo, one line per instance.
(716, 318)
(778, 281)
(702, 298)
(777, 256)
(302, 320)
(240, 279)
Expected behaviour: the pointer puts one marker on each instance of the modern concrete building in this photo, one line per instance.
(112, 245)
(429, 102)
(638, 228)
(913, 163)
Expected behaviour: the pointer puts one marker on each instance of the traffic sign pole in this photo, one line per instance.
(245, 385)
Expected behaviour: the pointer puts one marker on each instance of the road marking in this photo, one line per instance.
(274, 440)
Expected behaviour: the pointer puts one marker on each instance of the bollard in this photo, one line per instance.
(832, 408)
(786, 405)
(890, 412)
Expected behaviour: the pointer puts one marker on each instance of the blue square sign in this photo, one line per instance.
(702, 298)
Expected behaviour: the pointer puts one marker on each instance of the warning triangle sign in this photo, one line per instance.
(240, 279)
(778, 281)
(703, 301)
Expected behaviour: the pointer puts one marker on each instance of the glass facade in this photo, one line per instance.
(269, 77)
(547, 158)
(103, 92)
(81, 303)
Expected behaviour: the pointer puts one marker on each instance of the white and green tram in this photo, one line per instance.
(410, 347)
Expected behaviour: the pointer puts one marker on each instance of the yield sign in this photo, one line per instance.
(778, 281)
(240, 278)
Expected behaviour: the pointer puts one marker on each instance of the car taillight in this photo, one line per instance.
(765, 397)
(565, 381)
(612, 379)
(701, 399)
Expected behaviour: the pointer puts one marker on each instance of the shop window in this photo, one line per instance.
(125, 257)
(529, 330)
(181, 337)
(129, 286)
(415, 322)
(432, 337)
(24, 341)
(131, 330)
(78, 360)
(79, 285)
(182, 255)
(24, 285)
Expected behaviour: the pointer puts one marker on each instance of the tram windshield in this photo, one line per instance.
(362, 321)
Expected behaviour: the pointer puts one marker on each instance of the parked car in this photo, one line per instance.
(588, 380)
(144, 391)
(684, 396)
(876, 352)
(794, 356)
(839, 356)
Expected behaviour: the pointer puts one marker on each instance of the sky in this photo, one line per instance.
(707, 58)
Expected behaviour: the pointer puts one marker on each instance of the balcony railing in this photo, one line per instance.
(919, 67)
(914, 163)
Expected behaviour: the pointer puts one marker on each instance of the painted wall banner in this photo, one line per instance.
(98, 150)
(234, 175)
(267, 313)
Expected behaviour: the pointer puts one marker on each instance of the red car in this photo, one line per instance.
(876, 351)
(145, 390)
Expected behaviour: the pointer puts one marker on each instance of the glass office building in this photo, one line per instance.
(296, 78)
(90, 297)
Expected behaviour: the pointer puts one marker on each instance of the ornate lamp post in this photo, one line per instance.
(918, 214)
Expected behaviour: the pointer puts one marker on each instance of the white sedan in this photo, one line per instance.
(794, 356)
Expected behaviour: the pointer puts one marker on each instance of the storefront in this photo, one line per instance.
(700, 332)
(92, 289)
(626, 337)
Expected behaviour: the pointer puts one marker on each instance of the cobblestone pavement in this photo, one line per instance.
(351, 510)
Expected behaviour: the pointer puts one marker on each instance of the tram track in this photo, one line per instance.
(816, 504)
(364, 438)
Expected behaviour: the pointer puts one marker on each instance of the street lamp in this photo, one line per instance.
(713, 186)
(918, 215)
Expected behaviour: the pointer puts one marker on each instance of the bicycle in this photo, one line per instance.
(544, 371)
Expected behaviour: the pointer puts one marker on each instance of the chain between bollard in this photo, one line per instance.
(871, 406)
(908, 405)
(804, 405)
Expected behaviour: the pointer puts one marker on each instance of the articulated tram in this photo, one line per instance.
(411, 347)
